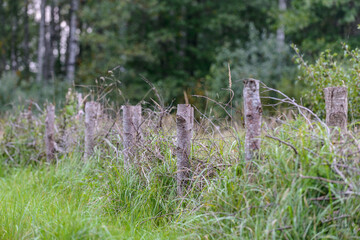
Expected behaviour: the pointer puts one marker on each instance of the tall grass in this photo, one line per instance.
(77, 201)
(291, 191)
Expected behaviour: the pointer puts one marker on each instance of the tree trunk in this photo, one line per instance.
(73, 44)
(49, 133)
(52, 44)
(13, 43)
(47, 55)
(92, 110)
(26, 40)
(280, 32)
(41, 46)
(184, 125)
(58, 65)
(2, 35)
(336, 107)
(132, 131)
(252, 113)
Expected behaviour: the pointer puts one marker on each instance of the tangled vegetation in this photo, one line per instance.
(303, 185)
(331, 70)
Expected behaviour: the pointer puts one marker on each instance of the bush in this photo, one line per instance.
(14, 91)
(258, 58)
(331, 70)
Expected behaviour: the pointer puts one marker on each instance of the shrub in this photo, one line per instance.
(331, 70)
(258, 58)
(14, 92)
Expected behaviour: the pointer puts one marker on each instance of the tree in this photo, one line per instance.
(41, 45)
(73, 43)
(318, 25)
(280, 32)
(2, 38)
(172, 43)
(26, 61)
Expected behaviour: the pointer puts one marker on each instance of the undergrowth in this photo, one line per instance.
(302, 185)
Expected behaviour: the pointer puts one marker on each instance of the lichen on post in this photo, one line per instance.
(92, 110)
(132, 121)
(336, 105)
(50, 132)
(253, 115)
(184, 124)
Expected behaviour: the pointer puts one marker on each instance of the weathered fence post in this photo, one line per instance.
(28, 114)
(50, 132)
(184, 124)
(132, 132)
(252, 113)
(91, 116)
(80, 111)
(336, 105)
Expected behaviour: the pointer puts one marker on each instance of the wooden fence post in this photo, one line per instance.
(253, 114)
(91, 116)
(184, 124)
(50, 132)
(336, 105)
(132, 130)
(80, 112)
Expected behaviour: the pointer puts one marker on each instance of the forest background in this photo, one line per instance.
(184, 47)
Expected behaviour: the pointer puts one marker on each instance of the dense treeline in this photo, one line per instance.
(179, 45)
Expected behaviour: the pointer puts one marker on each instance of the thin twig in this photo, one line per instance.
(286, 143)
(283, 228)
(335, 218)
(322, 179)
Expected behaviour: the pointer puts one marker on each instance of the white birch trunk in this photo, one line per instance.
(73, 43)
(253, 114)
(184, 125)
(41, 46)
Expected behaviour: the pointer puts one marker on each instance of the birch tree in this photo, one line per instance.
(26, 38)
(73, 43)
(41, 46)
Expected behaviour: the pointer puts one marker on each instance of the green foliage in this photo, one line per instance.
(20, 132)
(259, 58)
(24, 129)
(179, 45)
(69, 202)
(278, 198)
(330, 70)
(291, 190)
(316, 25)
(14, 92)
(171, 43)
(281, 194)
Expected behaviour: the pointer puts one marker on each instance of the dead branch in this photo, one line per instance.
(286, 143)
(323, 179)
(335, 218)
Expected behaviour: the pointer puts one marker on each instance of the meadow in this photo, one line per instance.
(303, 184)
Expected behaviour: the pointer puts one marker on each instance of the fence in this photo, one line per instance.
(336, 119)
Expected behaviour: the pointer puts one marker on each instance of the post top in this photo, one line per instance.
(339, 87)
(250, 80)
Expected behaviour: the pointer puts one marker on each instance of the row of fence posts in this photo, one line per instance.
(336, 116)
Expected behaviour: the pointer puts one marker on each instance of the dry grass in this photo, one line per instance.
(303, 185)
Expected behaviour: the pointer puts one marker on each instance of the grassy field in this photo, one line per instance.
(303, 185)
(71, 201)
